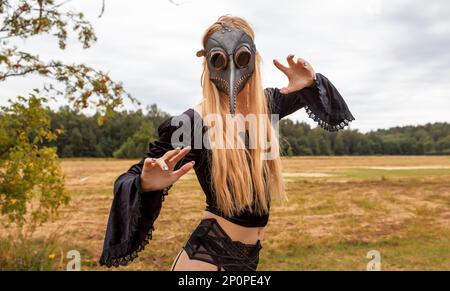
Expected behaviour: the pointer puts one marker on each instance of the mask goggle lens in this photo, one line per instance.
(218, 60)
(242, 57)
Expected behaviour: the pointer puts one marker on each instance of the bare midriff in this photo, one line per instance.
(246, 235)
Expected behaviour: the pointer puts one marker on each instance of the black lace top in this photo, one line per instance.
(133, 212)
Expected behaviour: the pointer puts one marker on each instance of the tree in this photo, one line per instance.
(29, 169)
(137, 145)
(443, 145)
(339, 148)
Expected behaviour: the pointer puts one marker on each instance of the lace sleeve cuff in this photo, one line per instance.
(326, 105)
(131, 223)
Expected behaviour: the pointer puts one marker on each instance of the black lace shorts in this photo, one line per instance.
(210, 243)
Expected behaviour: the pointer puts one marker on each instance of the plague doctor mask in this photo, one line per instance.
(230, 54)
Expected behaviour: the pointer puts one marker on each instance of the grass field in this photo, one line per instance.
(339, 209)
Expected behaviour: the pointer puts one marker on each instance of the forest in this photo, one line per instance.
(126, 134)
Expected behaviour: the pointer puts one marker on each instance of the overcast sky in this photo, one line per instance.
(389, 59)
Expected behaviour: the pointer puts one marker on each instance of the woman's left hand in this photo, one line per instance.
(300, 74)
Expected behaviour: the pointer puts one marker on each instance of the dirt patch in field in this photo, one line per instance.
(393, 168)
(307, 174)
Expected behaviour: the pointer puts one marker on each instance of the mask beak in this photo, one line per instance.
(231, 81)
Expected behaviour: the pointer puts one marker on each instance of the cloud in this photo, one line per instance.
(389, 59)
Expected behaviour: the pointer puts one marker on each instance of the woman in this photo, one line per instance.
(238, 182)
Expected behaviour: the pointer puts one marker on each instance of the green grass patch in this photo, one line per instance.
(398, 253)
(377, 174)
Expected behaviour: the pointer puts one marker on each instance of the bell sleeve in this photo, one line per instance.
(322, 102)
(133, 211)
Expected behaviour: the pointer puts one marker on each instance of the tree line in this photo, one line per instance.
(298, 138)
(126, 134)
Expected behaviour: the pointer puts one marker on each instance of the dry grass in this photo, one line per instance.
(339, 209)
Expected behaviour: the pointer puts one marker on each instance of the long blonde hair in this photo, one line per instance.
(240, 177)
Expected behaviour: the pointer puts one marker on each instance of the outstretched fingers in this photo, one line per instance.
(168, 161)
(182, 171)
(281, 67)
(290, 60)
(176, 158)
(163, 162)
(302, 63)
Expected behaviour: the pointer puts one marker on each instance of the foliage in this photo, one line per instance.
(25, 254)
(30, 170)
(429, 139)
(31, 180)
(82, 136)
(81, 83)
(136, 145)
(123, 136)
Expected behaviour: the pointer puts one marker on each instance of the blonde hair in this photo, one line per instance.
(240, 177)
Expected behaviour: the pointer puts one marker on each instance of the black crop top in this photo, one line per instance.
(134, 212)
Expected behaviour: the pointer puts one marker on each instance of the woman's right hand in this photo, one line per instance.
(158, 174)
